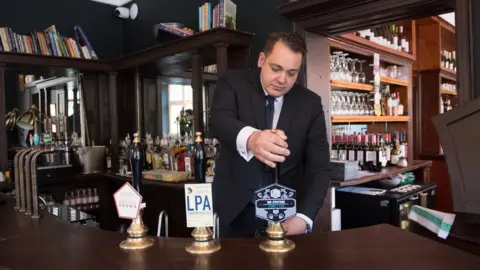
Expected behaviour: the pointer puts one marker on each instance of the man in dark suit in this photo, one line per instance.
(247, 105)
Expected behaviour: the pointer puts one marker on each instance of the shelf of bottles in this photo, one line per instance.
(390, 38)
(354, 100)
(84, 199)
(448, 60)
(373, 151)
(171, 152)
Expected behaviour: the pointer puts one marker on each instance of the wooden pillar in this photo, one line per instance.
(221, 49)
(3, 130)
(159, 107)
(139, 125)
(102, 111)
(112, 95)
(464, 32)
(197, 86)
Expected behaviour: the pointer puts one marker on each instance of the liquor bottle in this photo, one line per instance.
(342, 148)
(66, 199)
(358, 150)
(108, 159)
(402, 39)
(371, 158)
(442, 56)
(96, 198)
(394, 157)
(454, 60)
(442, 107)
(399, 105)
(334, 154)
(402, 145)
(388, 148)
(383, 151)
(447, 60)
(394, 37)
(200, 161)
(73, 200)
(349, 148)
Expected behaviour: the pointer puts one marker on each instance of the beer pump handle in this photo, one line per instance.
(137, 157)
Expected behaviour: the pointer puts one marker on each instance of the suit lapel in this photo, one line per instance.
(257, 97)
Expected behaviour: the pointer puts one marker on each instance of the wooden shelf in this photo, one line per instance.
(448, 92)
(448, 74)
(386, 172)
(353, 86)
(181, 49)
(393, 81)
(368, 119)
(23, 61)
(374, 47)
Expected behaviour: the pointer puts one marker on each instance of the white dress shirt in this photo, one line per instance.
(247, 154)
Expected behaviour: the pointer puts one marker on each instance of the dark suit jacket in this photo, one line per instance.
(239, 101)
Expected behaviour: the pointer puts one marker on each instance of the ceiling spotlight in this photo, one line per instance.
(125, 13)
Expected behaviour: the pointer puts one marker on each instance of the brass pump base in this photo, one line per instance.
(276, 241)
(137, 243)
(137, 235)
(203, 242)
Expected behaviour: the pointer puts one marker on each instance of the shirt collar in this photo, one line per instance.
(278, 99)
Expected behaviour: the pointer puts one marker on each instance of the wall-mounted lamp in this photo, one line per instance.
(125, 13)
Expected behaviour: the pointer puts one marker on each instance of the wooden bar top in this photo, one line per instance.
(50, 243)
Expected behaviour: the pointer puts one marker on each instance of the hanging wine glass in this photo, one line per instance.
(361, 75)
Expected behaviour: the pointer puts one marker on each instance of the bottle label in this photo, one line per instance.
(334, 154)
(342, 154)
(360, 156)
(188, 166)
(383, 158)
(371, 156)
(351, 155)
(402, 151)
(109, 162)
(388, 154)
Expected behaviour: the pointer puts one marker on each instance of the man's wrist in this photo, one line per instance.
(308, 222)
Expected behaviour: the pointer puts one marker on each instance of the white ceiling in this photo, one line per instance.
(116, 3)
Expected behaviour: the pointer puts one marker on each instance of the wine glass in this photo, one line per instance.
(361, 75)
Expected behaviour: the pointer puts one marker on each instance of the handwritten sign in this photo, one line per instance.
(127, 201)
(199, 205)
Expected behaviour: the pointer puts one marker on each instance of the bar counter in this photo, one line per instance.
(50, 243)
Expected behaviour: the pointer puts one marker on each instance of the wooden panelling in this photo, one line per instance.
(150, 106)
(439, 175)
(428, 47)
(3, 130)
(103, 109)
(428, 141)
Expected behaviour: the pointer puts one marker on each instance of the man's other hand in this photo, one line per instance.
(295, 225)
(269, 147)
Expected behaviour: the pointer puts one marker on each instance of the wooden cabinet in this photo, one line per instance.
(437, 82)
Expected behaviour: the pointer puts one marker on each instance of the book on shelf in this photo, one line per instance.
(223, 14)
(49, 42)
(210, 69)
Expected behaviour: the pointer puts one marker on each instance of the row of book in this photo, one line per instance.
(223, 14)
(49, 42)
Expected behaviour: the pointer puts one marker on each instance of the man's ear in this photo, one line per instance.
(261, 60)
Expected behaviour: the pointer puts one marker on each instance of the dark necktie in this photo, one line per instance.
(269, 111)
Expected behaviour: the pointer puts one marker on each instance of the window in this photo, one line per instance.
(179, 96)
(70, 86)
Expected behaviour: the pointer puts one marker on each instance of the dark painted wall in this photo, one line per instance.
(476, 46)
(259, 17)
(102, 28)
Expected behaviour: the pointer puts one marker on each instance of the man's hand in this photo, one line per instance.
(269, 147)
(295, 225)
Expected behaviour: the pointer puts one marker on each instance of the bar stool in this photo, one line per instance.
(163, 215)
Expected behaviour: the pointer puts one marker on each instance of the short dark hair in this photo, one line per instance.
(293, 41)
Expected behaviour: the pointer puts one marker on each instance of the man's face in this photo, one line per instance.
(279, 70)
